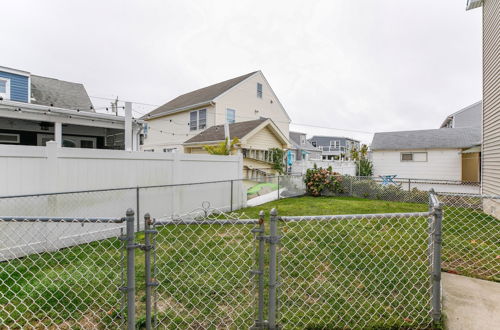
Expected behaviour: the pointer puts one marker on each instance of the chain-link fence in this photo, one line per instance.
(355, 271)
(43, 285)
(203, 264)
(471, 235)
(80, 267)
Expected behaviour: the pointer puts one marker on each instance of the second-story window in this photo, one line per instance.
(5, 88)
(198, 119)
(335, 143)
(259, 90)
(230, 116)
(313, 143)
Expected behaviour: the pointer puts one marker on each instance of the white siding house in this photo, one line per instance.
(440, 154)
(439, 164)
(244, 98)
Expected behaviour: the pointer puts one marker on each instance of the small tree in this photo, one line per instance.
(363, 151)
(277, 158)
(364, 167)
(354, 154)
(223, 148)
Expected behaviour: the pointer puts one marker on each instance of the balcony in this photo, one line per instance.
(265, 156)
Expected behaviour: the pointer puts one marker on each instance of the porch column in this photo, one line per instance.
(58, 133)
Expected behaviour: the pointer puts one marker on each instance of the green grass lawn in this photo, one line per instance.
(347, 274)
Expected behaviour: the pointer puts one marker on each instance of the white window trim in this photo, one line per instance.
(260, 93)
(6, 95)
(10, 134)
(336, 143)
(228, 110)
(198, 119)
(413, 157)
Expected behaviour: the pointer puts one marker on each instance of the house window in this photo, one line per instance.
(335, 143)
(313, 143)
(5, 88)
(302, 140)
(413, 156)
(231, 116)
(198, 119)
(9, 138)
(259, 90)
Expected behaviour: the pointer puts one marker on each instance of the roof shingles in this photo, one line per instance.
(199, 96)
(442, 138)
(236, 130)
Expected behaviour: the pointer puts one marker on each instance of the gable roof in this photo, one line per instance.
(59, 93)
(295, 139)
(200, 96)
(236, 130)
(478, 107)
(441, 138)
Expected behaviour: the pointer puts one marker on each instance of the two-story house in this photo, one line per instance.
(245, 98)
(36, 109)
(335, 147)
(302, 149)
(490, 167)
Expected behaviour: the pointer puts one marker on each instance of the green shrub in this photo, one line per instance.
(321, 181)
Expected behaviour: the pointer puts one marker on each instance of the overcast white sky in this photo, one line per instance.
(358, 65)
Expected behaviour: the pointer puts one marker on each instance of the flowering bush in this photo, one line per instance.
(321, 181)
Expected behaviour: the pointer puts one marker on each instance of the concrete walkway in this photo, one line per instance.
(470, 304)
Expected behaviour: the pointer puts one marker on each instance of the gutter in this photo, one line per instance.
(37, 108)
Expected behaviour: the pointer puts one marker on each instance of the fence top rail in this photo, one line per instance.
(468, 195)
(206, 222)
(61, 219)
(353, 216)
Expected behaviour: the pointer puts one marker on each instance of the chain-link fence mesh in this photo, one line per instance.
(355, 272)
(203, 264)
(61, 273)
(471, 236)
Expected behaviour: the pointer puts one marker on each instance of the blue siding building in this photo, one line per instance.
(14, 85)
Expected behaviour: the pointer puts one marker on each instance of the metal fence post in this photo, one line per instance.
(409, 185)
(278, 186)
(259, 322)
(436, 264)
(273, 242)
(149, 281)
(130, 270)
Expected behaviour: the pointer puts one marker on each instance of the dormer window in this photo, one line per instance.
(259, 90)
(5, 88)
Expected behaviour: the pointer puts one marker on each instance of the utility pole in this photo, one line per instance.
(114, 106)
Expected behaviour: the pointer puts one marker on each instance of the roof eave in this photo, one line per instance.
(177, 110)
(472, 4)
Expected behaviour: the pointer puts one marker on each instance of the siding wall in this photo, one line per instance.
(491, 97)
(442, 164)
(263, 140)
(243, 98)
(177, 124)
(18, 86)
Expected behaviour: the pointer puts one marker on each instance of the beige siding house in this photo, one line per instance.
(244, 98)
(491, 100)
(256, 138)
